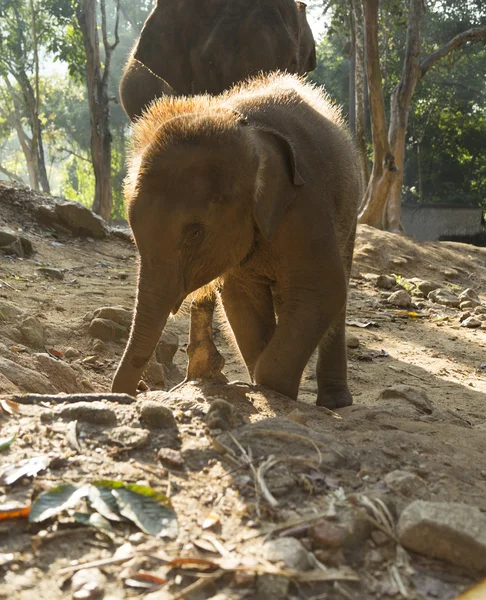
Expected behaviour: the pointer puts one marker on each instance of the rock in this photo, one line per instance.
(26, 379)
(51, 273)
(155, 415)
(472, 323)
(325, 534)
(12, 243)
(9, 311)
(118, 314)
(399, 261)
(427, 286)
(288, 551)
(129, 437)
(386, 282)
(88, 584)
(298, 416)
(61, 374)
(452, 532)
(274, 587)
(352, 341)
(107, 330)
(415, 396)
(221, 415)
(32, 332)
(467, 304)
(470, 295)
(402, 299)
(407, 484)
(80, 220)
(463, 316)
(480, 310)
(167, 347)
(71, 353)
(155, 373)
(96, 412)
(99, 346)
(171, 458)
(444, 297)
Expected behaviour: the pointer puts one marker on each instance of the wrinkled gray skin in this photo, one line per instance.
(198, 46)
(259, 188)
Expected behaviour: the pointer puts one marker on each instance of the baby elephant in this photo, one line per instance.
(259, 189)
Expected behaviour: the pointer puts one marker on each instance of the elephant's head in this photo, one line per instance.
(199, 47)
(199, 196)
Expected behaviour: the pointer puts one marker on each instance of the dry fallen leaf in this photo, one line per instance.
(14, 513)
(210, 521)
(9, 406)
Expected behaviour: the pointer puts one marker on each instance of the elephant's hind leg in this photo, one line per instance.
(205, 362)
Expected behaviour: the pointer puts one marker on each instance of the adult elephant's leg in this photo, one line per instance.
(331, 370)
(205, 362)
(250, 312)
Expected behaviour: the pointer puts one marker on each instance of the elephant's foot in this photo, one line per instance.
(205, 362)
(334, 396)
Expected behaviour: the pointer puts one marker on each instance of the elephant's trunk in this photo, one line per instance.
(155, 298)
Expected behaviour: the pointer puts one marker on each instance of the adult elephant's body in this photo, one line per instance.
(191, 47)
(258, 187)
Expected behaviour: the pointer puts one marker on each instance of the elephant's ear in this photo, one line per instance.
(307, 46)
(161, 48)
(272, 197)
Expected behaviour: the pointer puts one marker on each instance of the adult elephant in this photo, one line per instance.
(190, 47)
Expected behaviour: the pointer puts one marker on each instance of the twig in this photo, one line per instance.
(7, 284)
(198, 585)
(114, 560)
(249, 462)
(38, 398)
(396, 577)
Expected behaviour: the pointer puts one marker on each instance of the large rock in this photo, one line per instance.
(12, 243)
(26, 379)
(452, 532)
(107, 330)
(445, 297)
(118, 314)
(75, 217)
(470, 295)
(427, 286)
(402, 299)
(9, 311)
(61, 374)
(32, 332)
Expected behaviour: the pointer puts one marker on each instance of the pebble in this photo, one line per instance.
(118, 314)
(271, 586)
(107, 330)
(472, 323)
(325, 534)
(88, 584)
(167, 347)
(452, 532)
(298, 416)
(289, 551)
(480, 310)
(72, 353)
(467, 304)
(463, 316)
(402, 299)
(99, 346)
(32, 332)
(130, 437)
(156, 416)
(386, 282)
(51, 273)
(470, 295)
(444, 297)
(221, 415)
(406, 483)
(352, 341)
(171, 458)
(427, 286)
(90, 412)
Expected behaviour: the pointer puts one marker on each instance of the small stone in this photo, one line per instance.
(156, 416)
(352, 341)
(402, 299)
(472, 323)
(452, 532)
(99, 346)
(406, 483)
(298, 416)
(32, 332)
(51, 273)
(91, 412)
(9, 311)
(118, 314)
(444, 297)
(330, 557)
(427, 286)
(72, 353)
(107, 330)
(129, 437)
(386, 282)
(470, 295)
(415, 396)
(288, 551)
(167, 347)
(221, 415)
(480, 310)
(88, 584)
(271, 586)
(171, 458)
(463, 316)
(467, 304)
(399, 261)
(325, 534)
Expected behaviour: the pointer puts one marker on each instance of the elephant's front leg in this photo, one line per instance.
(205, 362)
(305, 314)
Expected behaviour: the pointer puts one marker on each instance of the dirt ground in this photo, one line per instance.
(434, 430)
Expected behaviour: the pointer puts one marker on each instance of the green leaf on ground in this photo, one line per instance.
(7, 442)
(102, 500)
(51, 503)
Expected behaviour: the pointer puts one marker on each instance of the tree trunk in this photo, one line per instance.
(98, 109)
(352, 73)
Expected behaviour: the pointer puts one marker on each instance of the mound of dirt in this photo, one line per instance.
(273, 498)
